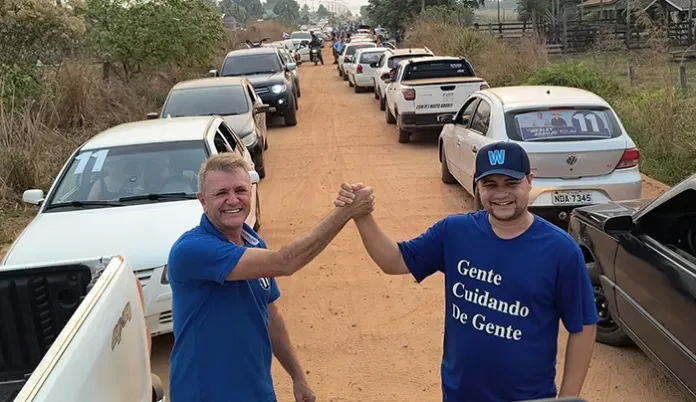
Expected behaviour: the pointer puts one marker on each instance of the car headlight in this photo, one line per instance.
(279, 89)
(164, 280)
(250, 139)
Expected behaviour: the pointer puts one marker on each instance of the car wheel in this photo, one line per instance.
(404, 136)
(298, 91)
(382, 103)
(265, 144)
(340, 73)
(608, 331)
(447, 177)
(257, 225)
(345, 77)
(262, 172)
(291, 114)
(388, 116)
(376, 93)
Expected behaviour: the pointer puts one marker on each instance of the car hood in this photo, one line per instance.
(242, 124)
(143, 234)
(265, 80)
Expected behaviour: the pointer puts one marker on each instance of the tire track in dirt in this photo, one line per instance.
(362, 335)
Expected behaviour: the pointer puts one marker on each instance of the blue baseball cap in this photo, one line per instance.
(504, 158)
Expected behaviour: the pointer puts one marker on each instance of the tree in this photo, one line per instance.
(253, 8)
(394, 13)
(322, 12)
(287, 10)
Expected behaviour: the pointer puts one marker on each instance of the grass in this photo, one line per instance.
(75, 103)
(654, 111)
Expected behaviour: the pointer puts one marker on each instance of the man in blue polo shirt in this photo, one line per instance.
(510, 276)
(226, 324)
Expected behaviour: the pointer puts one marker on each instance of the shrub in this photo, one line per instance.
(577, 75)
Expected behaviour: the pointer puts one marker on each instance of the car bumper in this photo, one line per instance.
(278, 103)
(620, 185)
(158, 303)
(363, 80)
(426, 121)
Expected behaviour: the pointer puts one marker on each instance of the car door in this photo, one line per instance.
(260, 118)
(656, 300)
(473, 139)
(453, 134)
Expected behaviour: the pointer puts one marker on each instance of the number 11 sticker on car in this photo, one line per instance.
(563, 124)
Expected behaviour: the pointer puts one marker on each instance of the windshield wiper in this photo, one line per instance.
(83, 204)
(263, 72)
(157, 197)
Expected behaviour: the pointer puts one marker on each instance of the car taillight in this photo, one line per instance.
(629, 159)
(409, 94)
(359, 69)
(484, 86)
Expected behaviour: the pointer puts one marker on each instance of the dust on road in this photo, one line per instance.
(362, 335)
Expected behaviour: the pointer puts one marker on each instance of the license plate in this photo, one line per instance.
(572, 197)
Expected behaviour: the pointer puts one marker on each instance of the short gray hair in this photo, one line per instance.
(228, 162)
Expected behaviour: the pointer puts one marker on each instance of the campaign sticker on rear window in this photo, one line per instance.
(83, 159)
(563, 124)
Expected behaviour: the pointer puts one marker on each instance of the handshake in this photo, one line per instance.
(357, 199)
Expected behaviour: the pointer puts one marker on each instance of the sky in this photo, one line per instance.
(353, 5)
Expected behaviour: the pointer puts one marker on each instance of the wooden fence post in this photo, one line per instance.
(565, 31)
(683, 83)
(630, 74)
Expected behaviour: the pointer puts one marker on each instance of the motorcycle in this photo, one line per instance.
(252, 45)
(314, 55)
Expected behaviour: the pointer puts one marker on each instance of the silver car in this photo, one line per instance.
(579, 151)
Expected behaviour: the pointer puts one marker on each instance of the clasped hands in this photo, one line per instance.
(358, 199)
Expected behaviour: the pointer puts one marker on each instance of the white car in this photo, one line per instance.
(346, 57)
(130, 191)
(579, 151)
(301, 40)
(361, 74)
(389, 60)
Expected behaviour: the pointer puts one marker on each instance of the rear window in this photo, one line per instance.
(371, 57)
(350, 50)
(394, 61)
(571, 124)
(438, 69)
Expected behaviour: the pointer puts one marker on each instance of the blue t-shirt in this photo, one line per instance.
(504, 300)
(222, 348)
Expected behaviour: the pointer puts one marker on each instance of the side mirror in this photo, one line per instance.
(373, 65)
(262, 108)
(34, 196)
(254, 176)
(292, 66)
(618, 225)
(213, 73)
(386, 77)
(446, 119)
(152, 115)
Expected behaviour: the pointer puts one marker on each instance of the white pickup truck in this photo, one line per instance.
(74, 331)
(425, 93)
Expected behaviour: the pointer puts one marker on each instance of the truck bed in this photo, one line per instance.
(35, 305)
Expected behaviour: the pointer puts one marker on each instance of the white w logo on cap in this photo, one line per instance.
(496, 157)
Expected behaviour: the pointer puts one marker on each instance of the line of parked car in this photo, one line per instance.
(640, 254)
(131, 189)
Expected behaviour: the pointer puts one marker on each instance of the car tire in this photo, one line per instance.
(447, 177)
(299, 93)
(608, 331)
(290, 114)
(262, 172)
(265, 145)
(478, 205)
(345, 77)
(350, 83)
(382, 103)
(376, 93)
(388, 116)
(257, 224)
(357, 89)
(340, 73)
(404, 136)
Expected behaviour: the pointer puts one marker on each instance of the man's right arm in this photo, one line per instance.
(382, 249)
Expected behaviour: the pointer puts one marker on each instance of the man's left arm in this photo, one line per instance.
(285, 353)
(579, 314)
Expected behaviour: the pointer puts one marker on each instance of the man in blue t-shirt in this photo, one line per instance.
(510, 276)
(226, 324)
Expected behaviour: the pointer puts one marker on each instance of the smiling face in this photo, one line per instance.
(226, 199)
(504, 197)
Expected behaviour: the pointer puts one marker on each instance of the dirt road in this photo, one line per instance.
(361, 335)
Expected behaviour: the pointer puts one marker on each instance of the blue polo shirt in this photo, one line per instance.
(222, 348)
(504, 301)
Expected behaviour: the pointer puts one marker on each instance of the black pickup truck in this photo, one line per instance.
(642, 261)
(271, 77)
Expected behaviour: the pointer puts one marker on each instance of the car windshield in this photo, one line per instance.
(371, 57)
(394, 61)
(350, 50)
(562, 124)
(223, 100)
(250, 64)
(112, 174)
(301, 35)
(438, 69)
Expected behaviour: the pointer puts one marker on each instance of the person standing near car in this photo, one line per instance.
(226, 323)
(510, 278)
(338, 49)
